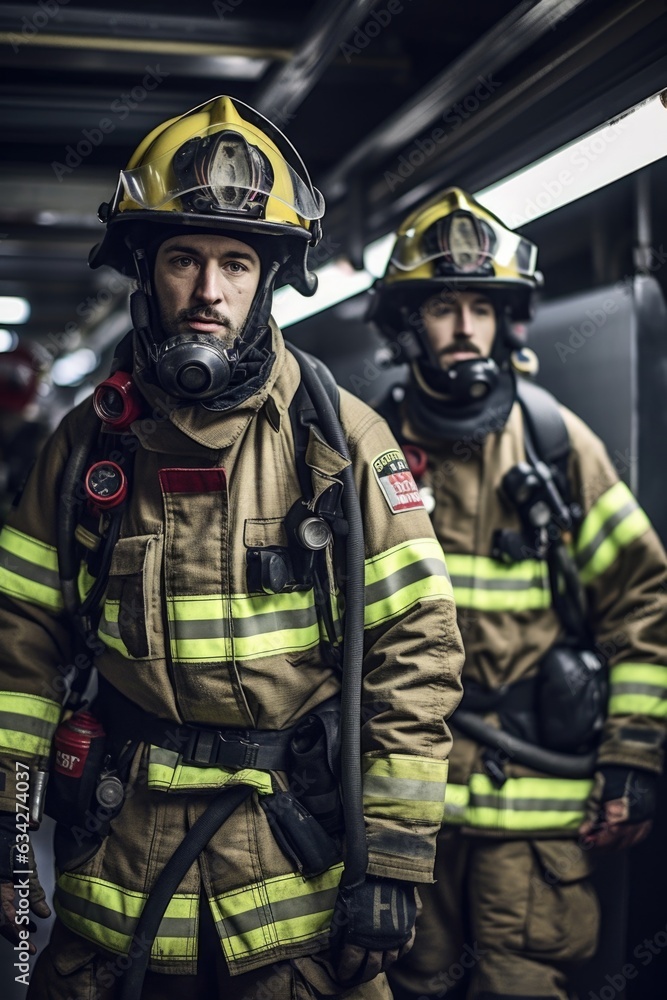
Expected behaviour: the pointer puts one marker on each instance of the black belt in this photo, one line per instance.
(203, 746)
(267, 750)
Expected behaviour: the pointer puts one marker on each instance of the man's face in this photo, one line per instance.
(205, 284)
(459, 325)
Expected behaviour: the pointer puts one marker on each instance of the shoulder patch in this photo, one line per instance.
(396, 481)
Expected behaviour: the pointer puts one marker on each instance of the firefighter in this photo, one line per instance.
(185, 532)
(559, 583)
(23, 430)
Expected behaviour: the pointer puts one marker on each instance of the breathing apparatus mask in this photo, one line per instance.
(221, 169)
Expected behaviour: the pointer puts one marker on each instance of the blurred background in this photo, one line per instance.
(551, 111)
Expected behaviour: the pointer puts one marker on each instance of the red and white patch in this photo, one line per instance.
(396, 481)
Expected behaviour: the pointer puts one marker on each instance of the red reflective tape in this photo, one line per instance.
(192, 480)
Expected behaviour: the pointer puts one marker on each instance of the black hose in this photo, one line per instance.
(168, 881)
(69, 503)
(356, 852)
(95, 593)
(561, 765)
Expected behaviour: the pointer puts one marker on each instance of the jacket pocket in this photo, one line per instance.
(132, 617)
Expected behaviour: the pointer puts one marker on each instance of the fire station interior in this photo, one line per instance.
(387, 101)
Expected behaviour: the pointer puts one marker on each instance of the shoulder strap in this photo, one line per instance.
(389, 409)
(546, 429)
(303, 415)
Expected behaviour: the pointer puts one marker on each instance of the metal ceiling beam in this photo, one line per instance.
(511, 36)
(29, 20)
(612, 32)
(287, 87)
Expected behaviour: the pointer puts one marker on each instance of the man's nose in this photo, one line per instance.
(208, 287)
(464, 325)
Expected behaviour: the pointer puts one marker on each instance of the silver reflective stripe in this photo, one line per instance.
(521, 805)
(584, 555)
(414, 571)
(483, 583)
(404, 788)
(626, 687)
(218, 628)
(29, 570)
(176, 927)
(275, 911)
(19, 723)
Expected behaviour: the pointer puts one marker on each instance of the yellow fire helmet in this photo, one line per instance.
(221, 166)
(452, 242)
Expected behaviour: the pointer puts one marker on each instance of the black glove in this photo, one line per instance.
(636, 789)
(372, 926)
(621, 807)
(13, 859)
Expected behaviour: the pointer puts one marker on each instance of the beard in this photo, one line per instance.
(172, 326)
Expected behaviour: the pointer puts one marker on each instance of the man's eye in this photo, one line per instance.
(183, 261)
(235, 267)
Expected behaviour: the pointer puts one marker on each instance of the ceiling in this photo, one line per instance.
(386, 101)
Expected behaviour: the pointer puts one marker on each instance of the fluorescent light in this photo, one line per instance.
(629, 142)
(71, 368)
(8, 341)
(337, 281)
(14, 309)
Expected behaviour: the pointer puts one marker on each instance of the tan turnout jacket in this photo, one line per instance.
(185, 639)
(508, 623)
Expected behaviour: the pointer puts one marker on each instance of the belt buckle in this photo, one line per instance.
(239, 736)
(198, 749)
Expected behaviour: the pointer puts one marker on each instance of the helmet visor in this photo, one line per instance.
(467, 246)
(221, 171)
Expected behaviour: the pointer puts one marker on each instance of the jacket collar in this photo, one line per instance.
(175, 429)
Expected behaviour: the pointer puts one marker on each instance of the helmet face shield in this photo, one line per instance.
(463, 245)
(453, 243)
(218, 171)
(221, 166)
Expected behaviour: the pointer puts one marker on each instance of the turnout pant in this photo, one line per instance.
(68, 969)
(506, 918)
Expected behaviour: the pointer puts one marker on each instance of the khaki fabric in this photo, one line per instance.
(505, 615)
(531, 913)
(188, 636)
(68, 969)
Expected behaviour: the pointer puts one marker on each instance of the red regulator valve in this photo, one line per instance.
(106, 485)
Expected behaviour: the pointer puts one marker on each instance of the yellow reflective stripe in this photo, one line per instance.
(401, 577)
(107, 915)
(166, 772)
(638, 689)
(401, 786)
(456, 803)
(614, 521)
(27, 723)
(29, 569)
(109, 631)
(486, 584)
(522, 804)
(277, 912)
(263, 625)
(85, 581)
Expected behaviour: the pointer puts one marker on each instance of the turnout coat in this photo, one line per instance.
(185, 638)
(508, 623)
